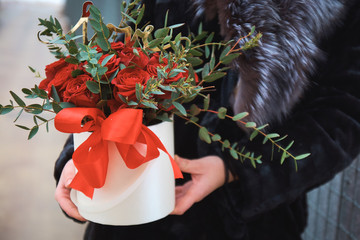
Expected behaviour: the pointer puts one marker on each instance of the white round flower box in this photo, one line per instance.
(132, 196)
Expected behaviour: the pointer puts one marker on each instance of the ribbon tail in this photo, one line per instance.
(79, 183)
(91, 161)
(160, 145)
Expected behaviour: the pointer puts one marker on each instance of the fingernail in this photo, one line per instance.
(68, 182)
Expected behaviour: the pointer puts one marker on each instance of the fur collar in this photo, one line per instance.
(273, 76)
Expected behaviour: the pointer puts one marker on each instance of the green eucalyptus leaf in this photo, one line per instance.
(226, 144)
(222, 113)
(71, 60)
(204, 135)
(195, 53)
(250, 125)
(22, 127)
(289, 146)
(206, 102)
(26, 91)
(302, 156)
(32, 69)
(180, 107)
(95, 25)
(280, 139)
(253, 163)
(149, 104)
(138, 91)
(229, 58)
(214, 76)
(283, 157)
(56, 107)
(103, 43)
(209, 38)
(101, 71)
(216, 137)
(194, 61)
(206, 70)
(18, 99)
(272, 135)
(167, 39)
(212, 59)
(19, 114)
(176, 25)
(131, 19)
(132, 103)
(41, 118)
(253, 135)
(34, 109)
(262, 127)
(162, 32)
(33, 132)
(67, 105)
(95, 12)
(164, 117)
(240, 116)
(54, 94)
(224, 52)
(141, 14)
(6, 109)
(200, 36)
(252, 30)
(155, 42)
(106, 59)
(76, 73)
(194, 110)
(234, 154)
(73, 49)
(194, 119)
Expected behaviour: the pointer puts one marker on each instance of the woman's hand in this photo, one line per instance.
(62, 192)
(207, 174)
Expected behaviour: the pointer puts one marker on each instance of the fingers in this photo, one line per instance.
(207, 175)
(180, 191)
(62, 192)
(188, 166)
(183, 202)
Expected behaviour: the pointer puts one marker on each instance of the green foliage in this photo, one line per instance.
(195, 54)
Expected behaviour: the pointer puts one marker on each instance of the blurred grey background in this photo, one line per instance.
(27, 206)
(28, 209)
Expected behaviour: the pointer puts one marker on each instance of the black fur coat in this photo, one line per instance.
(303, 79)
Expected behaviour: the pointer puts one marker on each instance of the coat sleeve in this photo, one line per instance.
(325, 123)
(64, 156)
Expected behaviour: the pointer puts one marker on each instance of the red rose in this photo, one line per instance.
(112, 64)
(126, 80)
(128, 57)
(58, 74)
(153, 64)
(175, 78)
(77, 93)
(117, 46)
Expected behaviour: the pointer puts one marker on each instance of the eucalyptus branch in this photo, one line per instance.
(208, 137)
(273, 138)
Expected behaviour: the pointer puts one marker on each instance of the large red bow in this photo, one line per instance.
(123, 127)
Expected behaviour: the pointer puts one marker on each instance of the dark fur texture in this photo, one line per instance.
(273, 76)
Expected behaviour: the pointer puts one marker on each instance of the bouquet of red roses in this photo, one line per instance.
(124, 79)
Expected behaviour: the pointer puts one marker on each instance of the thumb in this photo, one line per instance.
(186, 165)
(68, 182)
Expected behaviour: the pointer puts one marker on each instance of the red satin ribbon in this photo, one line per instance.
(123, 127)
